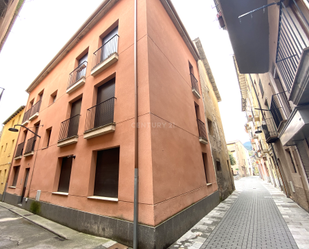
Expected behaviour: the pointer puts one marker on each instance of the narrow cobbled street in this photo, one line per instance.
(256, 215)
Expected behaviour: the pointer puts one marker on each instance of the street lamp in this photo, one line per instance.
(16, 130)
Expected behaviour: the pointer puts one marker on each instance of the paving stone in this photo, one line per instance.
(257, 215)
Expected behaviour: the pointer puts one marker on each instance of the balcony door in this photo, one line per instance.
(105, 104)
(74, 118)
(81, 71)
(109, 43)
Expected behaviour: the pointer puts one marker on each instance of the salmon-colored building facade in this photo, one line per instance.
(82, 106)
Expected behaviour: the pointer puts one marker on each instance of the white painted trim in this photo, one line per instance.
(76, 85)
(102, 198)
(196, 94)
(29, 154)
(69, 141)
(203, 141)
(60, 193)
(100, 131)
(34, 116)
(104, 64)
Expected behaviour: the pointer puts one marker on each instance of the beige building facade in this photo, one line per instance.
(211, 97)
(243, 166)
(8, 142)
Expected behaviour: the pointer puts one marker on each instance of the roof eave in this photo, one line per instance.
(82, 31)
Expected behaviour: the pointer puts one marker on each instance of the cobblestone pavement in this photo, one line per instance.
(256, 215)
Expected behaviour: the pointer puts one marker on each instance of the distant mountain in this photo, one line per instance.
(248, 145)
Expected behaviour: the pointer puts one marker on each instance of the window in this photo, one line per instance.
(65, 174)
(81, 68)
(109, 44)
(291, 160)
(104, 112)
(210, 127)
(53, 97)
(13, 122)
(206, 170)
(15, 173)
(261, 88)
(47, 136)
(6, 146)
(218, 165)
(107, 173)
(11, 148)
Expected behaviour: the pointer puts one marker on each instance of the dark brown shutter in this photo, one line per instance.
(107, 173)
(65, 174)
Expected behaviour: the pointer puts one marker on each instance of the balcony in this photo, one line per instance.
(68, 131)
(105, 56)
(297, 127)
(279, 109)
(270, 130)
(77, 78)
(29, 151)
(194, 84)
(19, 151)
(202, 132)
(100, 119)
(35, 110)
(292, 54)
(26, 117)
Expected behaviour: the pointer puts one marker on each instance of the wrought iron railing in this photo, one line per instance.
(270, 130)
(26, 115)
(291, 43)
(194, 83)
(201, 129)
(19, 150)
(36, 107)
(69, 127)
(100, 114)
(77, 74)
(108, 48)
(30, 145)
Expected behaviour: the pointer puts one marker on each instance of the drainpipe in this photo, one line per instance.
(135, 215)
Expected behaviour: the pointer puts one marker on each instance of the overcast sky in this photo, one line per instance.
(43, 27)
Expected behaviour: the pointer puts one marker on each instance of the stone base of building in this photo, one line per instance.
(160, 236)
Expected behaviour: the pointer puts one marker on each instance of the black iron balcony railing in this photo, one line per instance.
(100, 114)
(69, 127)
(77, 74)
(201, 129)
(30, 145)
(19, 150)
(36, 107)
(26, 115)
(291, 43)
(108, 48)
(194, 83)
(270, 130)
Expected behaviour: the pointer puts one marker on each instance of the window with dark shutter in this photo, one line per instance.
(107, 173)
(206, 170)
(218, 164)
(16, 172)
(65, 175)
